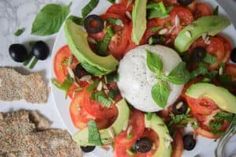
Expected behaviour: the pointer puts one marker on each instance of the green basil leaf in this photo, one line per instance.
(93, 134)
(210, 59)
(49, 19)
(77, 20)
(101, 98)
(89, 7)
(19, 32)
(202, 69)
(154, 62)
(115, 21)
(216, 10)
(157, 10)
(103, 44)
(160, 93)
(179, 75)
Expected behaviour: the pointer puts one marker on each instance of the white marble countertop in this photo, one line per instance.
(16, 14)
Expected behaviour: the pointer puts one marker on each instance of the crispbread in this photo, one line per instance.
(19, 137)
(15, 86)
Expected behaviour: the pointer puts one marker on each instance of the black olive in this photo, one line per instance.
(198, 54)
(143, 145)
(80, 71)
(233, 55)
(40, 50)
(156, 39)
(93, 24)
(18, 52)
(189, 142)
(87, 149)
(185, 2)
(180, 107)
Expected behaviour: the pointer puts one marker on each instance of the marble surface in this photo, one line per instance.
(16, 14)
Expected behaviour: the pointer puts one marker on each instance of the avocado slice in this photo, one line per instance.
(158, 125)
(221, 96)
(211, 25)
(121, 122)
(93, 63)
(139, 20)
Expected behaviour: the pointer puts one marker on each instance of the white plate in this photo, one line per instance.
(204, 147)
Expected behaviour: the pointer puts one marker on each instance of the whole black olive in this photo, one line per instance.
(156, 39)
(143, 145)
(87, 149)
(185, 2)
(40, 50)
(189, 142)
(180, 107)
(233, 55)
(80, 71)
(198, 54)
(18, 52)
(93, 24)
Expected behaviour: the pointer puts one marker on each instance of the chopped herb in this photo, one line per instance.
(77, 20)
(94, 135)
(202, 69)
(115, 21)
(157, 10)
(183, 120)
(33, 62)
(210, 59)
(216, 10)
(89, 7)
(103, 44)
(101, 97)
(215, 127)
(19, 32)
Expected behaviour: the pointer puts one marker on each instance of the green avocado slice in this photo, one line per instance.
(93, 63)
(139, 20)
(157, 125)
(211, 25)
(221, 96)
(121, 122)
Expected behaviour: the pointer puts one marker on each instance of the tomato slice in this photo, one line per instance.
(205, 133)
(60, 65)
(178, 145)
(202, 9)
(119, 9)
(230, 69)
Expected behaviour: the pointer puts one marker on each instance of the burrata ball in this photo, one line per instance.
(136, 80)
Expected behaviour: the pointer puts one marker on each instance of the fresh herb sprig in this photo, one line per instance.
(161, 90)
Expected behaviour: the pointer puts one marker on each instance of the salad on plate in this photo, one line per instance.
(147, 77)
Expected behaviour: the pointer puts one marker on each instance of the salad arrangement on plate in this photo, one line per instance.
(148, 77)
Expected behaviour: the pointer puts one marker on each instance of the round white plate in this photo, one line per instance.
(204, 147)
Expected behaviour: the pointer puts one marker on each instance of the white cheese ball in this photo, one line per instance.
(136, 80)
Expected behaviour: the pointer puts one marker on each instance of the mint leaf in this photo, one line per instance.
(210, 59)
(89, 7)
(94, 135)
(154, 62)
(160, 93)
(157, 10)
(101, 98)
(49, 19)
(19, 32)
(179, 75)
(102, 45)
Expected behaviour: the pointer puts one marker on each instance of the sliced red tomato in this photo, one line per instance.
(119, 9)
(71, 91)
(230, 69)
(206, 133)
(202, 9)
(178, 145)
(136, 129)
(60, 63)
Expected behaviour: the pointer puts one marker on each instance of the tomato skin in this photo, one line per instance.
(178, 145)
(202, 9)
(205, 133)
(71, 91)
(60, 68)
(230, 69)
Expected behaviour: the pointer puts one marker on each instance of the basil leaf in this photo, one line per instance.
(89, 7)
(154, 62)
(216, 10)
(210, 59)
(157, 10)
(93, 134)
(77, 20)
(115, 21)
(160, 93)
(101, 98)
(19, 32)
(179, 75)
(202, 69)
(103, 44)
(49, 19)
